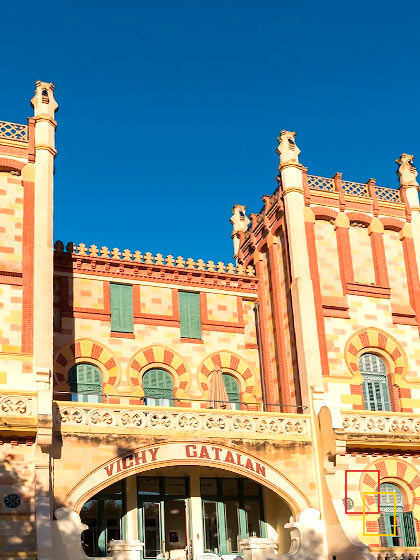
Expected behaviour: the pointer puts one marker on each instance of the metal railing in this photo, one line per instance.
(102, 398)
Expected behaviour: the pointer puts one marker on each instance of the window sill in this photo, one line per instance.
(368, 290)
(192, 340)
(335, 307)
(403, 315)
(122, 335)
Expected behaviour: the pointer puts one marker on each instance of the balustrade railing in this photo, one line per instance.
(13, 131)
(320, 183)
(384, 194)
(377, 423)
(159, 419)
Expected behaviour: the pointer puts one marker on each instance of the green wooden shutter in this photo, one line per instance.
(376, 392)
(232, 387)
(158, 384)
(375, 384)
(189, 314)
(84, 380)
(409, 529)
(121, 308)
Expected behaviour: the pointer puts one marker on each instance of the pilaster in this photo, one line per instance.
(44, 146)
(308, 350)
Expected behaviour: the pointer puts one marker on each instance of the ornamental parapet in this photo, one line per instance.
(105, 418)
(386, 427)
(147, 267)
(13, 131)
(351, 188)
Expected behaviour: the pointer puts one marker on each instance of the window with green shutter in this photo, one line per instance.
(232, 390)
(121, 308)
(394, 521)
(85, 382)
(375, 382)
(158, 388)
(189, 313)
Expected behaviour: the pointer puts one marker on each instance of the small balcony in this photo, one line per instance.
(217, 419)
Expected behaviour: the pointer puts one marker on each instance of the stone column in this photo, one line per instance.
(132, 530)
(196, 515)
(44, 110)
(409, 189)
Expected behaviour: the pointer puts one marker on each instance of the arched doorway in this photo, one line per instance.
(180, 512)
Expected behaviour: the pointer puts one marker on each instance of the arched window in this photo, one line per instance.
(232, 390)
(394, 521)
(85, 383)
(375, 382)
(158, 388)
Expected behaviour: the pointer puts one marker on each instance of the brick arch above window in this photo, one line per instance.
(359, 217)
(371, 339)
(87, 351)
(395, 471)
(158, 357)
(392, 223)
(9, 164)
(229, 363)
(324, 213)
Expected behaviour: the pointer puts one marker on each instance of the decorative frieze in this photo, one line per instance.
(381, 423)
(160, 420)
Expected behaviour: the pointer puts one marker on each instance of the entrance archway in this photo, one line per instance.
(186, 453)
(181, 511)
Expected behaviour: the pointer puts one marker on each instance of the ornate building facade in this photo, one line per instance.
(179, 408)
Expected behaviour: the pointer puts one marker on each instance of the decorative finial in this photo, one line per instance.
(240, 222)
(287, 149)
(43, 101)
(406, 171)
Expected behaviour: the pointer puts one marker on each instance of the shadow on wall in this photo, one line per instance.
(17, 497)
(308, 536)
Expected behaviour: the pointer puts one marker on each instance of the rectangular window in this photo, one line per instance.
(121, 308)
(189, 313)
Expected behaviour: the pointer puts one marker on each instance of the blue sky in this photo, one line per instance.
(169, 110)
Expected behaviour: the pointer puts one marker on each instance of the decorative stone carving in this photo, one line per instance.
(13, 405)
(383, 424)
(407, 172)
(240, 223)
(287, 148)
(154, 419)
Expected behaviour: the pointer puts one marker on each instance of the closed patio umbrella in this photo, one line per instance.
(218, 391)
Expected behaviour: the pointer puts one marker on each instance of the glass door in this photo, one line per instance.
(153, 527)
(163, 517)
(232, 511)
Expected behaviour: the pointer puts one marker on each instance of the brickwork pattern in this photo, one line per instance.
(397, 271)
(328, 263)
(10, 318)
(11, 223)
(361, 251)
